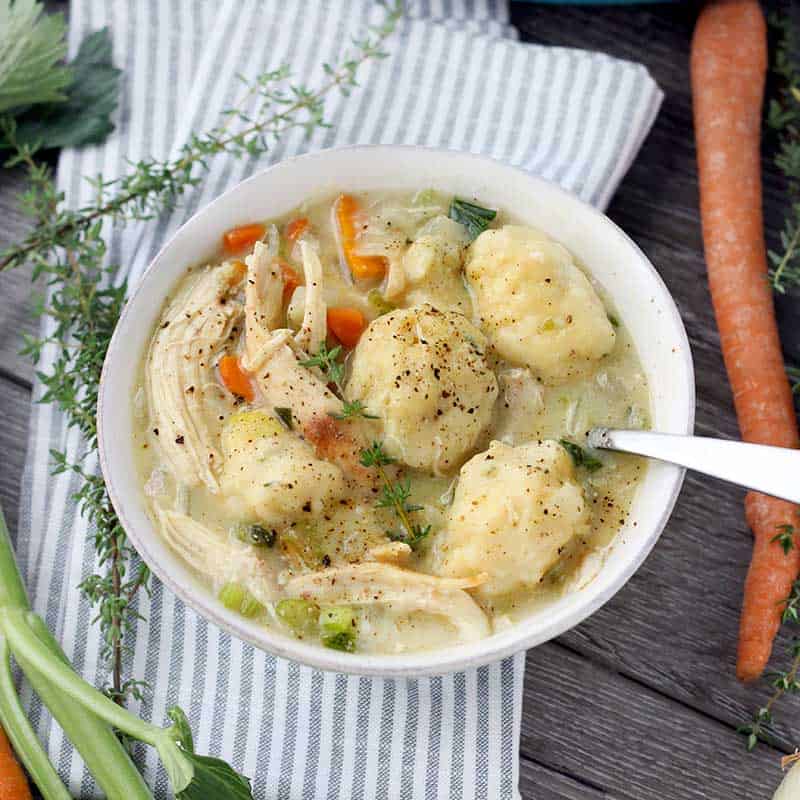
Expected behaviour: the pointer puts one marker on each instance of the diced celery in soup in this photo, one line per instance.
(364, 423)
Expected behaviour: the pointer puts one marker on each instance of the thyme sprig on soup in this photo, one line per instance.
(365, 423)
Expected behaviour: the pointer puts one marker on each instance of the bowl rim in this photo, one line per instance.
(415, 664)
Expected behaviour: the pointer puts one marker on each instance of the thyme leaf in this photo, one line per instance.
(785, 537)
(327, 362)
(354, 408)
(395, 496)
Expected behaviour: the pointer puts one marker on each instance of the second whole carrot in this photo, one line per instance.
(728, 72)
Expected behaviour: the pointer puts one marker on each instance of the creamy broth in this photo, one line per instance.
(477, 361)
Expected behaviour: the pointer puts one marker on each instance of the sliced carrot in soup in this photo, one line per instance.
(242, 238)
(346, 210)
(236, 380)
(347, 325)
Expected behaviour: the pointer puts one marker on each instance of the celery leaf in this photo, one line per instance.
(85, 116)
(197, 777)
(32, 47)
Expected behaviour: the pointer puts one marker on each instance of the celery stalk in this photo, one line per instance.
(193, 777)
(22, 735)
(98, 745)
(101, 750)
(85, 714)
(12, 589)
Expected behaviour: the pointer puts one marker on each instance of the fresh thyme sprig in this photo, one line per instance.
(782, 682)
(783, 116)
(785, 537)
(327, 362)
(84, 306)
(84, 298)
(395, 496)
(788, 682)
(154, 185)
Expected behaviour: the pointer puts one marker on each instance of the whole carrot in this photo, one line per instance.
(13, 783)
(728, 71)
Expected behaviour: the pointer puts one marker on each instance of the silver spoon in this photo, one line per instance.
(771, 470)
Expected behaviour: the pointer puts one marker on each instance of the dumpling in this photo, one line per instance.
(422, 371)
(433, 266)
(514, 511)
(539, 310)
(271, 475)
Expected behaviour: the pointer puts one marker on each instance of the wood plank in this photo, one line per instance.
(15, 285)
(15, 403)
(588, 722)
(537, 782)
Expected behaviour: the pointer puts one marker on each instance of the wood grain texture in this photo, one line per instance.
(542, 783)
(614, 735)
(15, 407)
(640, 700)
(15, 285)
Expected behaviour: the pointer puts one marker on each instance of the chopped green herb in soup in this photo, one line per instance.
(364, 424)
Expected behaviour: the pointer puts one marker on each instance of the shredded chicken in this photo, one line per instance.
(396, 553)
(273, 354)
(263, 296)
(179, 374)
(401, 590)
(314, 328)
(217, 557)
(395, 278)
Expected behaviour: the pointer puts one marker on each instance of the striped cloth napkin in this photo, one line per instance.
(456, 78)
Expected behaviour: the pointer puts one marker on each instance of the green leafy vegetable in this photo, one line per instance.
(207, 777)
(612, 318)
(338, 628)
(474, 218)
(580, 456)
(31, 49)
(302, 616)
(284, 414)
(91, 99)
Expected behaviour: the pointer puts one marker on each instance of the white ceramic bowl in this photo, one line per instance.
(615, 261)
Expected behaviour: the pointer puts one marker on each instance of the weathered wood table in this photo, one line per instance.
(640, 701)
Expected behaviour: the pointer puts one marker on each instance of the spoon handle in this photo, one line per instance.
(771, 470)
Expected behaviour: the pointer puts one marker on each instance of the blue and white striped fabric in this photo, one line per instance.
(456, 78)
